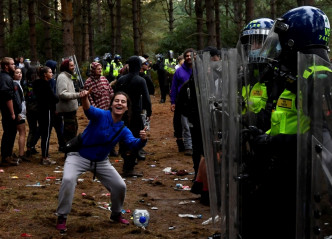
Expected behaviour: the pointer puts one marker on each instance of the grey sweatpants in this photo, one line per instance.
(75, 165)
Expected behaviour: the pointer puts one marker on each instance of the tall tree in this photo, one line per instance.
(199, 10)
(238, 15)
(99, 17)
(273, 8)
(78, 23)
(68, 27)
(46, 28)
(20, 21)
(135, 26)
(118, 26)
(90, 30)
(249, 10)
(217, 20)
(3, 51)
(111, 6)
(169, 13)
(55, 5)
(85, 32)
(32, 31)
(10, 16)
(210, 23)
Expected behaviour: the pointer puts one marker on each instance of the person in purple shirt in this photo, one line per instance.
(180, 122)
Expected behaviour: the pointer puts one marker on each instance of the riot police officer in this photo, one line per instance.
(305, 30)
(116, 66)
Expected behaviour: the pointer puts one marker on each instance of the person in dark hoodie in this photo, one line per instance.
(135, 86)
(46, 101)
(57, 121)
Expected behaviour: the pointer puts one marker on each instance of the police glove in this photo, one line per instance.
(263, 139)
(255, 131)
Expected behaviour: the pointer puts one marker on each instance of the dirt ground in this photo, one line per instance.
(30, 210)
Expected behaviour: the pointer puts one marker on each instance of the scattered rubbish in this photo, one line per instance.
(171, 228)
(57, 171)
(2, 171)
(186, 202)
(26, 235)
(14, 177)
(215, 236)
(190, 215)
(209, 221)
(181, 179)
(179, 186)
(106, 195)
(35, 185)
(141, 218)
(17, 210)
(80, 180)
(153, 166)
(83, 194)
(123, 211)
(182, 172)
(154, 208)
(50, 178)
(128, 211)
(167, 170)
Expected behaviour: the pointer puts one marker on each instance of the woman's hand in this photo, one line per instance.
(85, 101)
(142, 134)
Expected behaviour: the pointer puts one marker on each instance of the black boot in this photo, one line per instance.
(180, 144)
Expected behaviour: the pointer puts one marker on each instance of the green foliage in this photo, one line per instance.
(181, 38)
(18, 43)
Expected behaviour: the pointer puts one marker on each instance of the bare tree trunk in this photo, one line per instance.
(140, 28)
(55, 4)
(171, 15)
(32, 31)
(67, 24)
(3, 51)
(78, 29)
(111, 5)
(188, 8)
(309, 2)
(85, 35)
(227, 12)
(10, 17)
(118, 25)
(91, 36)
(210, 23)
(237, 15)
(218, 27)
(249, 10)
(199, 23)
(273, 9)
(99, 17)
(20, 12)
(135, 27)
(47, 29)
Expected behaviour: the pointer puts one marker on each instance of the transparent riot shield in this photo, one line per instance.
(207, 77)
(231, 127)
(314, 160)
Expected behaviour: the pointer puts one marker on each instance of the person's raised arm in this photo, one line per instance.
(84, 97)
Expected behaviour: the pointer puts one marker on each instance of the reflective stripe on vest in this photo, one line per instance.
(106, 71)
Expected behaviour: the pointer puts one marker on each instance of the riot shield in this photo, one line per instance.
(314, 160)
(207, 77)
(77, 72)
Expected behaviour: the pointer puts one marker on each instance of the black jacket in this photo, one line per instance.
(7, 93)
(135, 86)
(46, 99)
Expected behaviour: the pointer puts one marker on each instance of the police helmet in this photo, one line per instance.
(170, 54)
(298, 29)
(117, 57)
(159, 57)
(97, 59)
(107, 56)
(253, 36)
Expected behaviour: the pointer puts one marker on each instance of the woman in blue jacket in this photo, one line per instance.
(103, 132)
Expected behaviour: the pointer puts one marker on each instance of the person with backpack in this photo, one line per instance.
(104, 130)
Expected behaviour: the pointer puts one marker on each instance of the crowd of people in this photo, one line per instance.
(116, 99)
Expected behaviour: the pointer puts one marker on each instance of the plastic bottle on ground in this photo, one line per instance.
(141, 218)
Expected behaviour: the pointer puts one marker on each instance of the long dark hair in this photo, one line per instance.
(126, 116)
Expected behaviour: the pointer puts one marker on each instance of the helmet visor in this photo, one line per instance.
(271, 48)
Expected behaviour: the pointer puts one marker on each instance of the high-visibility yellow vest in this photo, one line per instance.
(116, 68)
(170, 66)
(257, 98)
(106, 71)
(284, 118)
